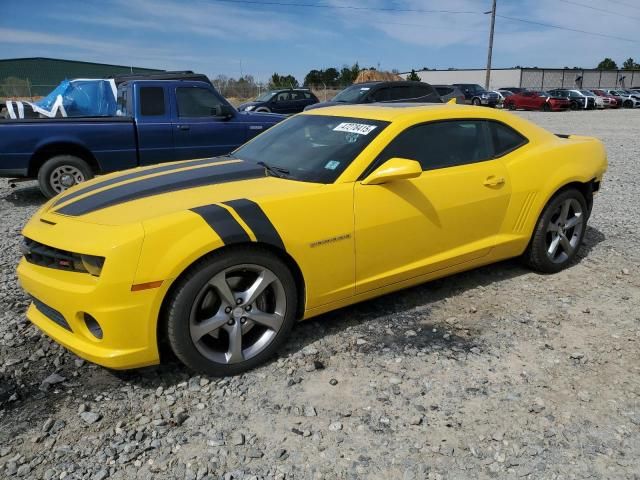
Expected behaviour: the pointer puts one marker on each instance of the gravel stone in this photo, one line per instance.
(510, 374)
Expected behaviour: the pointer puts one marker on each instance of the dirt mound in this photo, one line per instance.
(376, 76)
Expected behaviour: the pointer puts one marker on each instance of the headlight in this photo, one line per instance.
(45, 256)
(484, 95)
(248, 108)
(92, 264)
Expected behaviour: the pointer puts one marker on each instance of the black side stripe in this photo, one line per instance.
(136, 174)
(257, 220)
(182, 180)
(223, 223)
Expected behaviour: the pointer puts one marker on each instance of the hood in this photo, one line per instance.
(323, 104)
(261, 117)
(141, 194)
(249, 104)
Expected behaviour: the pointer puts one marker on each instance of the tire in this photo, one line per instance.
(551, 228)
(476, 102)
(198, 295)
(574, 106)
(627, 104)
(262, 110)
(512, 106)
(62, 172)
(546, 107)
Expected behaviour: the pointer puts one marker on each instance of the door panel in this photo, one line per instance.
(153, 125)
(445, 217)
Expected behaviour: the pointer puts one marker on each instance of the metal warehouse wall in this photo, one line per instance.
(38, 76)
(534, 78)
(499, 77)
(547, 78)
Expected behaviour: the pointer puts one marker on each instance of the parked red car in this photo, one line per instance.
(612, 102)
(531, 100)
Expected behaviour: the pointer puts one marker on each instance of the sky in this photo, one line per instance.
(234, 37)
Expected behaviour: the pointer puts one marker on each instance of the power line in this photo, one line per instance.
(608, 12)
(347, 7)
(558, 27)
(625, 4)
(411, 10)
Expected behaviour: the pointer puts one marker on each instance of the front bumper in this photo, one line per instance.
(127, 319)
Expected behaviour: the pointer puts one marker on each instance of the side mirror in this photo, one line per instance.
(225, 111)
(394, 169)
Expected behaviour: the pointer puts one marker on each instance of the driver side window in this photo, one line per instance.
(441, 144)
(196, 102)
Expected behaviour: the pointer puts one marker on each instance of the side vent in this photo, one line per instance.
(521, 221)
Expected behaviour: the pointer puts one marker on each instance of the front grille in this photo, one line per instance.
(45, 256)
(52, 314)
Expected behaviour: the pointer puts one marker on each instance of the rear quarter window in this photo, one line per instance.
(505, 139)
(152, 101)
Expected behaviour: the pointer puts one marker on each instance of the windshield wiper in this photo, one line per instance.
(275, 171)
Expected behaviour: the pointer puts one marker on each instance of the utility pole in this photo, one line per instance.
(493, 24)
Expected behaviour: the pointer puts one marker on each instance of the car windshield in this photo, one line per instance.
(353, 94)
(266, 96)
(586, 93)
(324, 146)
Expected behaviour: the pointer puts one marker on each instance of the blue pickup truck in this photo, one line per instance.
(157, 121)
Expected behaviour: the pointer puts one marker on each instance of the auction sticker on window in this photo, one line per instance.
(359, 128)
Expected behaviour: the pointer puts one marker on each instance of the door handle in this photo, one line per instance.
(184, 127)
(493, 181)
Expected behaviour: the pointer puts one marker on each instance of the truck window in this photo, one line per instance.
(152, 101)
(196, 102)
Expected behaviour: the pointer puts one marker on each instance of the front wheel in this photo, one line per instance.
(512, 106)
(476, 102)
(62, 172)
(627, 104)
(231, 312)
(558, 233)
(546, 107)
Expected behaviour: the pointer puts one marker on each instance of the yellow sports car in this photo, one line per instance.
(217, 258)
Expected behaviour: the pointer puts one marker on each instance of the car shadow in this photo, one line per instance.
(408, 309)
(383, 323)
(25, 195)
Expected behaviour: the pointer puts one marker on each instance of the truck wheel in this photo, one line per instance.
(62, 172)
(476, 102)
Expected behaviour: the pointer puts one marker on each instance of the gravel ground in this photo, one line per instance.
(494, 373)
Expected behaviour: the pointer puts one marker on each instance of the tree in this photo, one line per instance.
(414, 77)
(607, 64)
(630, 64)
(283, 81)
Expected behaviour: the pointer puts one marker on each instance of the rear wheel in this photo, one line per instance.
(62, 172)
(231, 312)
(558, 233)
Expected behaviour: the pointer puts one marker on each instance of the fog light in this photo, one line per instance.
(93, 326)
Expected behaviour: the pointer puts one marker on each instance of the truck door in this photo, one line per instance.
(153, 123)
(197, 131)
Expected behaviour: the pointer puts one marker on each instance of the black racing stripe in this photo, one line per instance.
(136, 174)
(223, 223)
(257, 220)
(147, 187)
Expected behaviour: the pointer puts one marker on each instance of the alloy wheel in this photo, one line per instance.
(237, 313)
(564, 230)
